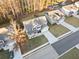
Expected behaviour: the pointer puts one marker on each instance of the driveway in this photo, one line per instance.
(66, 43)
(51, 38)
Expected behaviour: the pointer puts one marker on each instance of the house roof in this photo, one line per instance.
(77, 3)
(70, 7)
(56, 14)
(3, 30)
(29, 25)
(34, 19)
(2, 37)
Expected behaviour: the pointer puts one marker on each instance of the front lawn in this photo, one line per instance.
(34, 43)
(72, 54)
(57, 30)
(4, 54)
(73, 21)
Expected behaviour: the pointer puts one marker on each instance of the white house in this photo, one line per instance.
(55, 16)
(77, 4)
(3, 30)
(35, 27)
(70, 9)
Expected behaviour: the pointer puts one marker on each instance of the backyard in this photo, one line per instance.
(36, 14)
(57, 30)
(33, 43)
(72, 54)
(73, 21)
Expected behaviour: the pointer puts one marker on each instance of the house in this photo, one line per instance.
(3, 30)
(2, 44)
(70, 9)
(55, 16)
(5, 42)
(77, 4)
(35, 27)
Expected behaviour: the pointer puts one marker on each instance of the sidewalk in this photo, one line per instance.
(70, 27)
(46, 52)
(51, 38)
(17, 54)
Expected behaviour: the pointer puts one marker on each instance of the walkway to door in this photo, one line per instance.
(51, 38)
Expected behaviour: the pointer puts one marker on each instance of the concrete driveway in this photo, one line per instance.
(51, 38)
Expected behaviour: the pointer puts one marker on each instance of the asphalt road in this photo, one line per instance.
(66, 43)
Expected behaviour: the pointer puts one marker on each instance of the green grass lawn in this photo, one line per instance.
(73, 21)
(4, 54)
(33, 43)
(73, 54)
(57, 30)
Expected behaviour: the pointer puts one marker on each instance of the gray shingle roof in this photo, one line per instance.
(35, 25)
(2, 37)
(29, 28)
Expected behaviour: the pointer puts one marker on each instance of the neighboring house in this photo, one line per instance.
(70, 9)
(5, 42)
(35, 27)
(3, 30)
(2, 43)
(55, 16)
(77, 4)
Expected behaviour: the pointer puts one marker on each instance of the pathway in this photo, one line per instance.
(51, 38)
(17, 54)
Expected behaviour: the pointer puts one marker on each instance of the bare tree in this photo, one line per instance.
(13, 7)
(18, 34)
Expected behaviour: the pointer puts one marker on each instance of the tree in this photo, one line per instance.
(18, 34)
(21, 7)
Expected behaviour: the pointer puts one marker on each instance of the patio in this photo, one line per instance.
(72, 54)
(33, 43)
(57, 30)
(73, 21)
